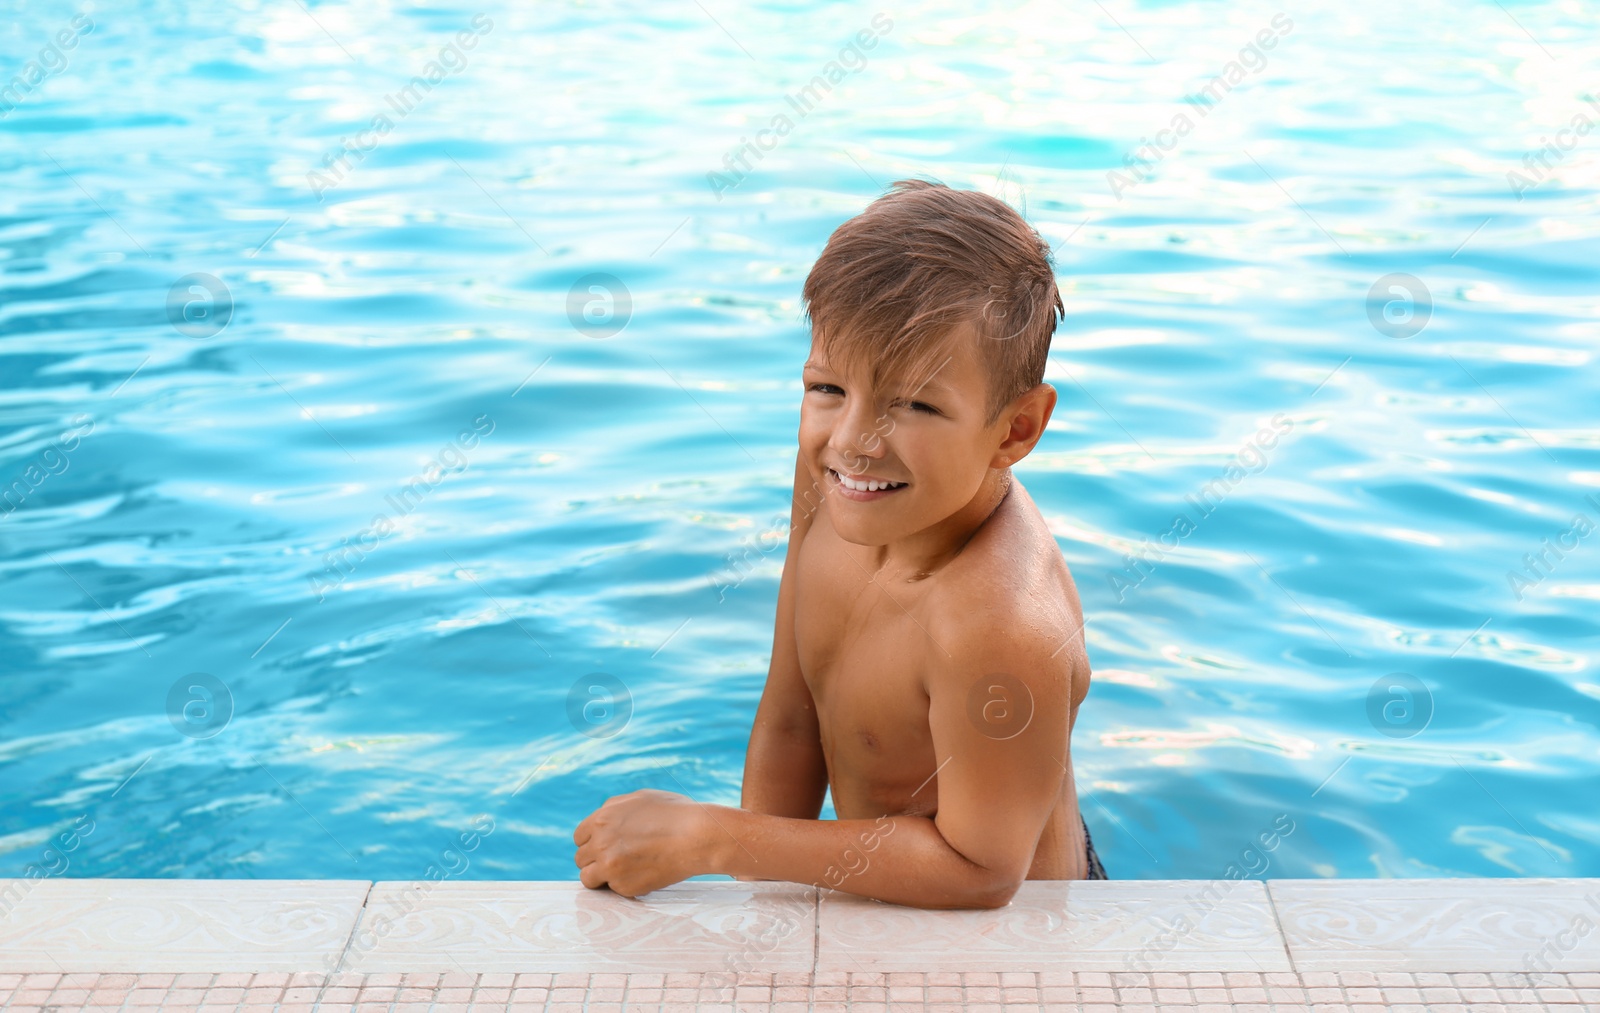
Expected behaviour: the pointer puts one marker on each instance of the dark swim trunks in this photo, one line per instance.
(1096, 870)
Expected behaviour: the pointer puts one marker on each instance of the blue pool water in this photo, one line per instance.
(1345, 630)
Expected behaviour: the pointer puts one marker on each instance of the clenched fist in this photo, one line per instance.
(643, 841)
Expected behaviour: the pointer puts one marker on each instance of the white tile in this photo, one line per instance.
(176, 925)
(1439, 924)
(1063, 925)
(482, 927)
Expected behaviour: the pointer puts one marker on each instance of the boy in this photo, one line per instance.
(928, 658)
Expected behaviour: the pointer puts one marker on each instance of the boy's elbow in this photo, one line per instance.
(979, 900)
(994, 888)
(999, 893)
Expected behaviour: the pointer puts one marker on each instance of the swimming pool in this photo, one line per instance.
(421, 385)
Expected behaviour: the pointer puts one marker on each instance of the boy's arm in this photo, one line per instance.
(647, 839)
(784, 770)
(995, 792)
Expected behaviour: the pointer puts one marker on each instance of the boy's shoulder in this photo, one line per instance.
(1010, 589)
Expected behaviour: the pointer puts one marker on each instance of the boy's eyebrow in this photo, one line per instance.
(933, 383)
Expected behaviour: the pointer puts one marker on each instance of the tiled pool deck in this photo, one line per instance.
(1285, 946)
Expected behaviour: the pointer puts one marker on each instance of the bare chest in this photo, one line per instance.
(862, 649)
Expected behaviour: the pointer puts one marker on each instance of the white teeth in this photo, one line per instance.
(867, 486)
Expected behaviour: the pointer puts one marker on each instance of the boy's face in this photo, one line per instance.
(931, 442)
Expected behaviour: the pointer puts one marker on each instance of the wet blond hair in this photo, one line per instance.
(924, 263)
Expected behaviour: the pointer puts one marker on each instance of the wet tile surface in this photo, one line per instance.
(175, 925)
(802, 992)
(478, 927)
(1415, 946)
(1440, 924)
(1077, 925)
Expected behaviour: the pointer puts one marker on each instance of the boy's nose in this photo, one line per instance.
(857, 435)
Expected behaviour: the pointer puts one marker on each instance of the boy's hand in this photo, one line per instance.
(642, 841)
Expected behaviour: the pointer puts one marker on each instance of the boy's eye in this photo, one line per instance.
(921, 406)
(825, 388)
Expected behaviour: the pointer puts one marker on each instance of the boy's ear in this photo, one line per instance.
(1023, 420)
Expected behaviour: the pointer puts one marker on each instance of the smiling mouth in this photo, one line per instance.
(865, 489)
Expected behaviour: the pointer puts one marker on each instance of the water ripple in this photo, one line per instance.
(624, 515)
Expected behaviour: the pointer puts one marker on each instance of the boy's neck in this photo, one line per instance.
(921, 555)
